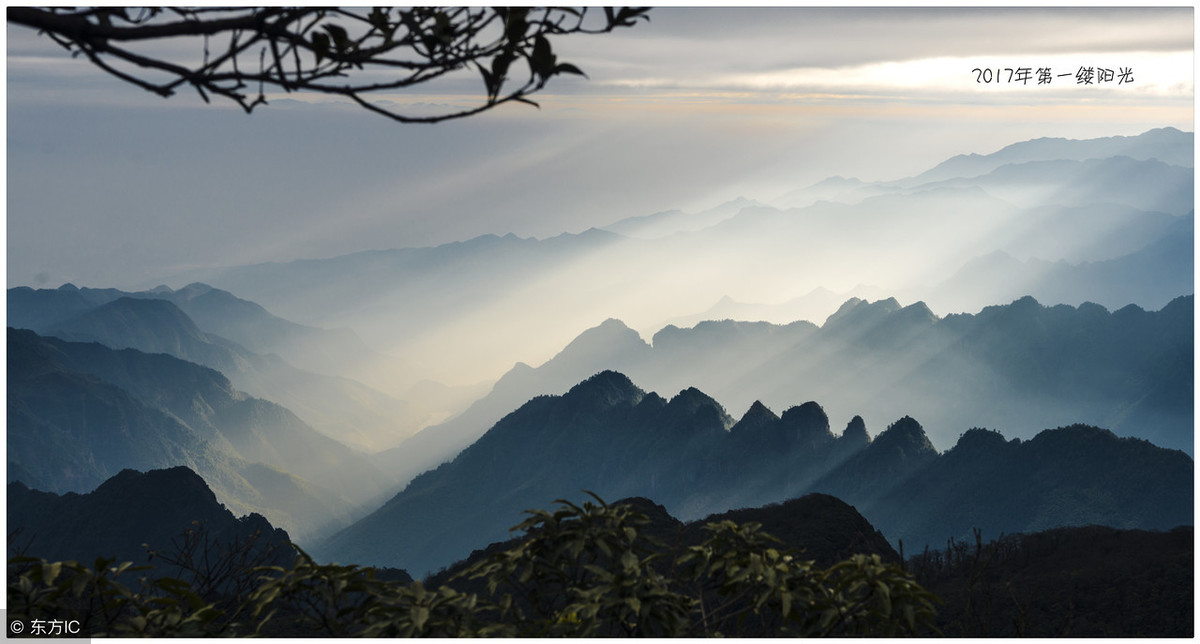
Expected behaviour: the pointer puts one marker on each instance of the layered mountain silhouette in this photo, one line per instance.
(1152, 275)
(129, 516)
(339, 407)
(1019, 367)
(1097, 220)
(1167, 145)
(609, 436)
(79, 413)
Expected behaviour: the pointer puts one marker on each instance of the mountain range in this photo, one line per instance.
(1045, 343)
(608, 436)
(156, 322)
(1019, 367)
(79, 413)
(1083, 221)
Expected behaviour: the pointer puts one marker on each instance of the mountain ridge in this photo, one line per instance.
(81, 412)
(611, 437)
(878, 359)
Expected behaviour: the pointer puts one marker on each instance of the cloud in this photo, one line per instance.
(696, 107)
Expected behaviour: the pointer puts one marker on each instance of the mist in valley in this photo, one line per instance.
(765, 266)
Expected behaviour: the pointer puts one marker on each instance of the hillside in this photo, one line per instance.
(339, 407)
(80, 413)
(1019, 368)
(609, 436)
(130, 515)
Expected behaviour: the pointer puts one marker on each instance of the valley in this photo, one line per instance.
(1002, 346)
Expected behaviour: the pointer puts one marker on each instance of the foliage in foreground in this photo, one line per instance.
(581, 570)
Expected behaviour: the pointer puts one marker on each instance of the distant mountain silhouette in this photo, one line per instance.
(1167, 145)
(814, 305)
(337, 352)
(80, 412)
(393, 297)
(663, 224)
(1152, 275)
(611, 342)
(609, 436)
(339, 407)
(1041, 202)
(1148, 185)
(129, 515)
(1019, 367)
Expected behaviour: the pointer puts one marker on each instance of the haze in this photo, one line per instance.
(112, 187)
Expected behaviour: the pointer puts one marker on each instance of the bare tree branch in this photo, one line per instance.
(345, 52)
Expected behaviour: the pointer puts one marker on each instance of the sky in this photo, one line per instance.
(110, 186)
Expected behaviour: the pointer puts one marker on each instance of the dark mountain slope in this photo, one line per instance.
(608, 436)
(1089, 581)
(80, 412)
(339, 407)
(214, 311)
(1018, 367)
(611, 343)
(126, 515)
(894, 455)
(1070, 476)
(71, 431)
(600, 435)
(825, 529)
(41, 308)
(257, 430)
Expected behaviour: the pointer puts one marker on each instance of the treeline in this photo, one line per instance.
(580, 571)
(604, 570)
(1090, 581)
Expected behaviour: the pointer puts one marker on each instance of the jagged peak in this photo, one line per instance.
(857, 310)
(145, 306)
(652, 399)
(606, 337)
(1093, 310)
(692, 398)
(612, 323)
(176, 479)
(692, 402)
(1183, 303)
(606, 389)
(856, 431)
(978, 438)
(755, 418)
(906, 435)
(1027, 302)
(846, 307)
(1075, 432)
(195, 288)
(919, 311)
(809, 416)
